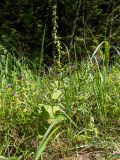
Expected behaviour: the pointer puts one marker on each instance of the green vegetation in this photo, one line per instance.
(68, 22)
(59, 79)
(77, 105)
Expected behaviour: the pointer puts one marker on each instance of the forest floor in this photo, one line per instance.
(61, 151)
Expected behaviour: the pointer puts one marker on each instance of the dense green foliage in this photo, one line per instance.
(79, 23)
(78, 106)
(59, 78)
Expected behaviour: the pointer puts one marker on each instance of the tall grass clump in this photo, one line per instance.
(75, 108)
(23, 108)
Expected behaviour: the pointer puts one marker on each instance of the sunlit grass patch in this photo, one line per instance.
(75, 109)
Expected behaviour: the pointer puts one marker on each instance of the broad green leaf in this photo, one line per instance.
(51, 109)
(56, 95)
